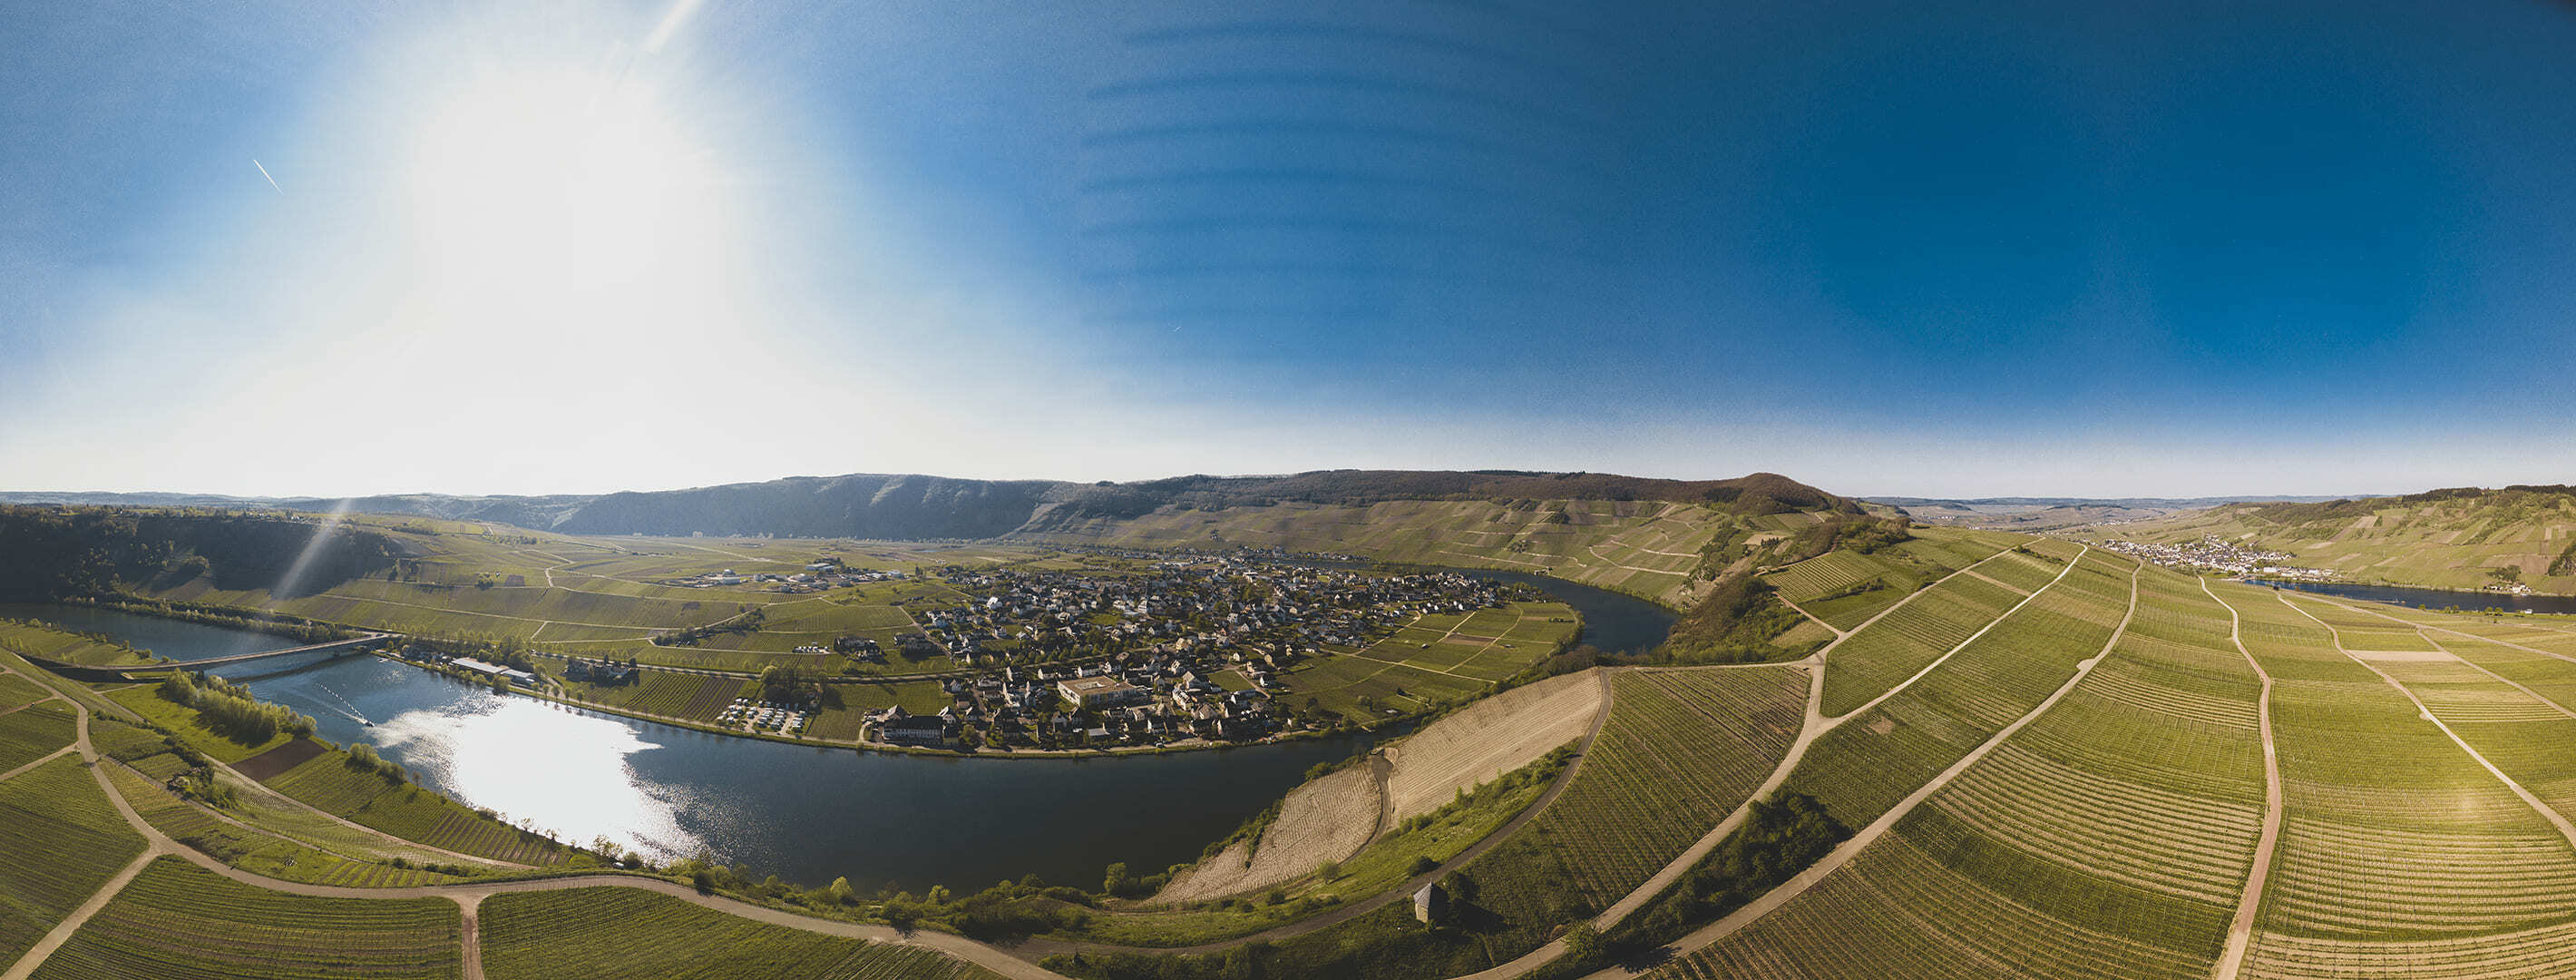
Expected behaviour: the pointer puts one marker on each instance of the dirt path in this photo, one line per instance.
(1813, 727)
(1844, 853)
(2547, 812)
(2427, 631)
(62, 932)
(2240, 931)
(1811, 617)
(1963, 644)
(469, 896)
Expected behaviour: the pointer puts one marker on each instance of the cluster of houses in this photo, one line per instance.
(1220, 606)
(1154, 701)
(2214, 554)
(818, 576)
(1091, 660)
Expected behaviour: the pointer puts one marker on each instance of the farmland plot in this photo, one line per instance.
(177, 920)
(2398, 850)
(620, 933)
(2108, 839)
(1682, 748)
(59, 841)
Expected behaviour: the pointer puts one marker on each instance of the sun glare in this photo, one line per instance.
(556, 191)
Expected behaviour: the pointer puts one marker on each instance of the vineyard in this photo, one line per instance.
(1865, 765)
(256, 851)
(1845, 588)
(2398, 848)
(617, 933)
(28, 733)
(329, 783)
(16, 690)
(181, 922)
(1682, 748)
(1908, 639)
(60, 840)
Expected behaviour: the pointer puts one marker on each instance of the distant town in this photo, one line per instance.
(2213, 554)
(1186, 649)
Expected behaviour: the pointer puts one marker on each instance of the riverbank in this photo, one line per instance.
(2430, 598)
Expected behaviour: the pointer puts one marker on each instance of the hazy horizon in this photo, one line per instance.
(2029, 250)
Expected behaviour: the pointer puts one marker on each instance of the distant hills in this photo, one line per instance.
(2456, 538)
(919, 507)
(2054, 513)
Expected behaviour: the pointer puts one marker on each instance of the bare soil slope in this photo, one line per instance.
(1489, 738)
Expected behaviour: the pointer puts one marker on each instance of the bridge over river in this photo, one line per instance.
(317, 651)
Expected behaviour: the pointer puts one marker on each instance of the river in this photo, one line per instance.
(806, 814)
(2433, 598)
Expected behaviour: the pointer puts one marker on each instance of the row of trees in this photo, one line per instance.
(229, 710)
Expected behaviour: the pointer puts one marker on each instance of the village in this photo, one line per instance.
(1183, 650)
(2213, 554)
(819, 575)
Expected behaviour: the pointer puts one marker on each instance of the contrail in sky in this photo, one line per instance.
(263, 172)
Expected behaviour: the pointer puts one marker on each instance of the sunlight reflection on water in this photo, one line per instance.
(567, 773)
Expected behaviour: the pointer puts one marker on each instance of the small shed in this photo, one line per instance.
(1431, 904)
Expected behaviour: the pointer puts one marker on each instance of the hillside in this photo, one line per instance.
(917, 507)
(2464, 538)
(2051, 513)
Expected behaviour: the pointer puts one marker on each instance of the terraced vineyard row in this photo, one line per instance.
(1917, 633)
(408, 811)
(1861, 586)
(255, 851)
(59, 841)
(1681, 749)
(181, 922)
(1866, 764)
(1828, 572)
(16, 690)
(2397, 847)
(618, 933)
(2109, 838)
(28, 733)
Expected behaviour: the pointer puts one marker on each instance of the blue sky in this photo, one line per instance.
(2030, 249)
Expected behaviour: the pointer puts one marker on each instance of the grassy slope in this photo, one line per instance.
(1645, 548)
(2446, 542)
(59, 841)
(609, 933)
(177, 919)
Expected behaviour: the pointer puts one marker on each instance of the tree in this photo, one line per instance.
(1117, 881)
(1328, 870)
(1583, 942)
(840, 891)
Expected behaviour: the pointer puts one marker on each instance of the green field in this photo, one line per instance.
(2108, 839)
(1437, 660)
(60, 840)
(38, 640)
(2441, 540)
(1865, 765)
(328, 783)
(256, 851)
(28, 733)
(179, 921)
(617, 933)
(1845, 588)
